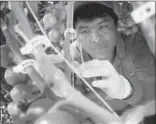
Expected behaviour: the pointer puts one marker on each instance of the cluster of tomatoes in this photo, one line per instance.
(24, 91)
(54, 23)
(23, 108)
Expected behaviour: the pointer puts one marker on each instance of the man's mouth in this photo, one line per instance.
(98, 46)
(99, 49)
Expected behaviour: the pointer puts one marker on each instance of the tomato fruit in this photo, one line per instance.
(6, 56)
(54, 35)
(24, 92)
(13, 78)
(37, 108)
(57, 117)
(49, 20)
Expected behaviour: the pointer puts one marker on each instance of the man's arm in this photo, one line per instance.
(143, 80)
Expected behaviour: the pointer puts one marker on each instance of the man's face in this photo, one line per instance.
(97, 36)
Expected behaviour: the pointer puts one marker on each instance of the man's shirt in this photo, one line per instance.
(135, 62)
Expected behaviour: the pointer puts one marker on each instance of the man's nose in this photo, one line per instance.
(94, 36)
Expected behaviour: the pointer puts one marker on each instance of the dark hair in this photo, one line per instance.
(92, 10)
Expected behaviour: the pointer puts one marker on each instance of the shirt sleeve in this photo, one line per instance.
(145, 68)
(144, 63)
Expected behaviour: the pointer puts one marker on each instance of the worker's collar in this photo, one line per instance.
(120, 47)
(120, 51)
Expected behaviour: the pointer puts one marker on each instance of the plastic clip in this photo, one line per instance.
(34, 42)
(73, 33)
(143, 12)
(20, 68)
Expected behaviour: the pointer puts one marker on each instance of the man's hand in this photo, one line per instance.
(113, 84)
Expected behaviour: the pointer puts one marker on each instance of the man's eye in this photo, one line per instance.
(84, 31)
(103, 26)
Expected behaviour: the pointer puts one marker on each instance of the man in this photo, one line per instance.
(132, 82)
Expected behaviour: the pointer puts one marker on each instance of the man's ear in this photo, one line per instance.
(74, 25)
(117, 25)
